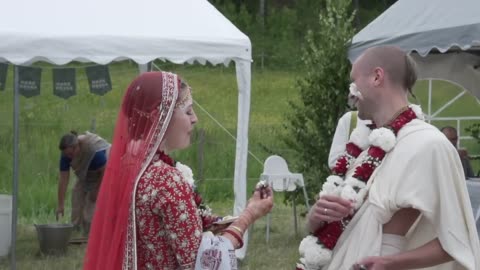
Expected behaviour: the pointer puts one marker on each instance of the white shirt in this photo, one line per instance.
(341, 136)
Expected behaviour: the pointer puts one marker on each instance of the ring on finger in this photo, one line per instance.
(325, 211)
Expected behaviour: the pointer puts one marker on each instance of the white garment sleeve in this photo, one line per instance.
(433, 183)
(215, 253)
(340, 139)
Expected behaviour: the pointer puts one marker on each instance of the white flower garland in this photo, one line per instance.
(186, 172)
(188, 176)
(314, 254)
(359, 136)
(418, 111)
(383, 138)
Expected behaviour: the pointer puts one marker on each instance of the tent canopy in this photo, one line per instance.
(102, 31)
(443, 36)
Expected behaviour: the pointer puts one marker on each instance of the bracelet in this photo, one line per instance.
(236, 236)
(236, 228)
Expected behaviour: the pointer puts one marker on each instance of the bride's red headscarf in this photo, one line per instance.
(146, 111)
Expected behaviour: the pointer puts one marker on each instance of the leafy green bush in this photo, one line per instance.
(323, 93)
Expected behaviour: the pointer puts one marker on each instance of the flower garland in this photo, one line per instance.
(316, 249)
(203, 210)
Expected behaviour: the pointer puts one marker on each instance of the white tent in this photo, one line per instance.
(443, 36)
(102, 31)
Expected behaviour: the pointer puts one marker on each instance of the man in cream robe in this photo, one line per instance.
(415, 175)
(417, 212)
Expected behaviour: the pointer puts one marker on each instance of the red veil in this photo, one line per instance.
(146, 110)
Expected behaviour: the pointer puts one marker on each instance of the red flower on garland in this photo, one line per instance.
(376, 152)
(341, 166)
(330, 234)
(353, 149)
(364, 171)
(403, 118)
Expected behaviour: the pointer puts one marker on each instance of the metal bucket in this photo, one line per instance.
(53, 238)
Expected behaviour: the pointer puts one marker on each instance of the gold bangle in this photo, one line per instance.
(237, 229)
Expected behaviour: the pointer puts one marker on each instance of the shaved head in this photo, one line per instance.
(398, 67)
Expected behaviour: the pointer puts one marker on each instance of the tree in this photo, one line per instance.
(323, 92)
(307, 16)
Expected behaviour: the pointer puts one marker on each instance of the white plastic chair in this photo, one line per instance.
(277, 175)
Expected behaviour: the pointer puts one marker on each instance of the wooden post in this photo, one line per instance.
(93, 125)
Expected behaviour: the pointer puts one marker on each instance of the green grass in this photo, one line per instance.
(43, 119)
(280, 253)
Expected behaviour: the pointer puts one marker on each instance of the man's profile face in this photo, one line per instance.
(360, 79)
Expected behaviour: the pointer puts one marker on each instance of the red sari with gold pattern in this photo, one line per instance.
(168, 226)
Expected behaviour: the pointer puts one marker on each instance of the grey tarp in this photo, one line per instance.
(443, 36)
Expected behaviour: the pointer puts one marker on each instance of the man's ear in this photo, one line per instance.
(379, 76)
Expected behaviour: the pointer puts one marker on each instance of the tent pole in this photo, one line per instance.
(142, 68)
(429, 100)
(15, 166)
(243, 71)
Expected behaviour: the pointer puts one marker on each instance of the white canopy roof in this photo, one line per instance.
(428, 28)
(101, 31)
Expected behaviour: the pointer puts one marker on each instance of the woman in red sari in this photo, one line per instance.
(148, 215)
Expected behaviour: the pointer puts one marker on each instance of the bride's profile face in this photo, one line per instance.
(181, 124)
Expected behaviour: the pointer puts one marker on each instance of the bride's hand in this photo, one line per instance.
(261, 202)
(217, 228)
